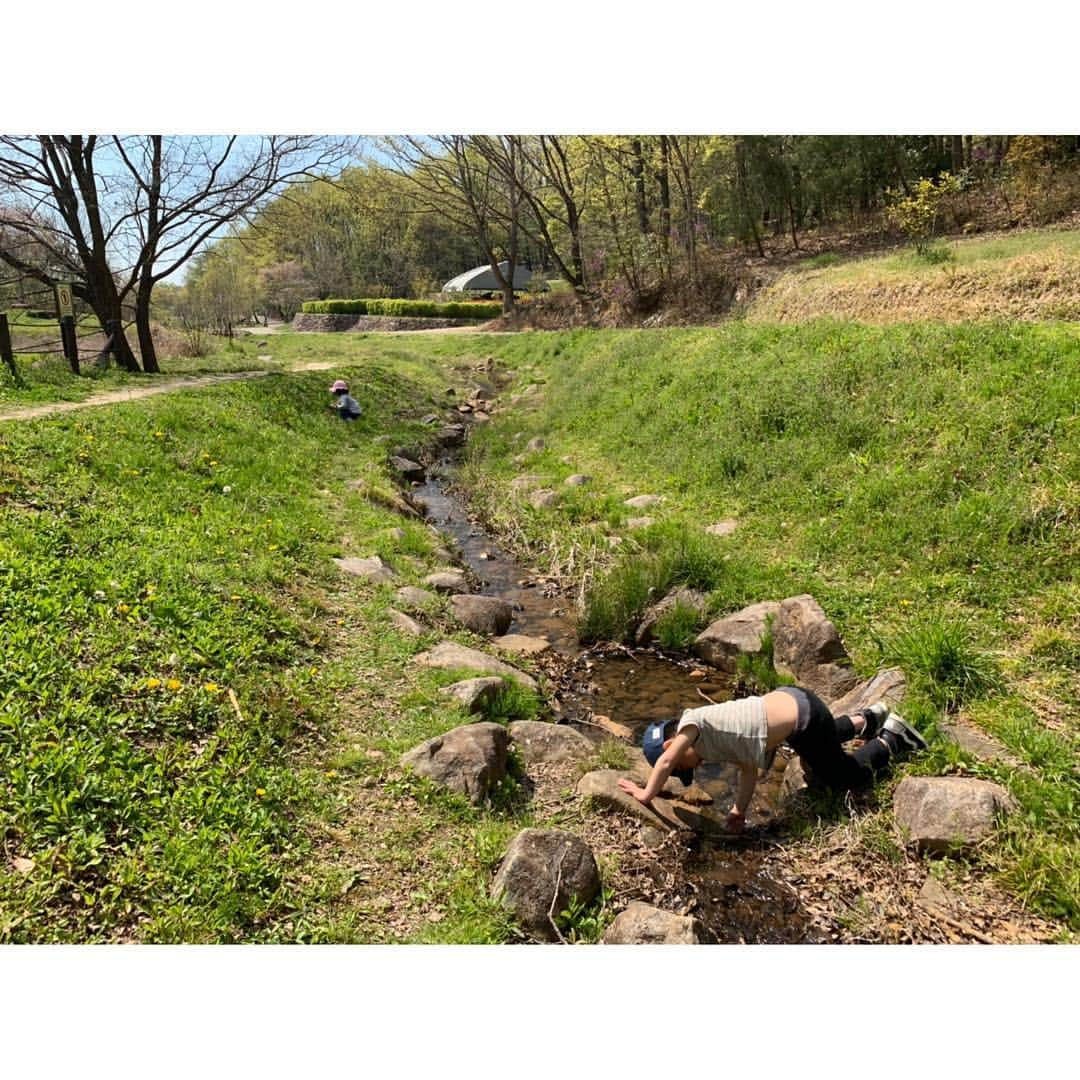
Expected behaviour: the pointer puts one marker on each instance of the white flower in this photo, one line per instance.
(226, 489)
(98, 594)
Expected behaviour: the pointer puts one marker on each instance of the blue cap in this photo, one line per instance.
(652, 743)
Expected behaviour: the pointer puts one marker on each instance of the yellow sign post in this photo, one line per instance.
(64, 302)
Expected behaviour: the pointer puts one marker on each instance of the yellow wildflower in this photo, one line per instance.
(235, 596)
(331, 773)
(174, 684)
(152, 684)
(159, 434)
(211, 688)
(260, 792)
(123, 608)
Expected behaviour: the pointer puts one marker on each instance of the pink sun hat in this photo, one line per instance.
(340, 384)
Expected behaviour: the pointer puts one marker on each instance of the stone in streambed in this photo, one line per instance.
(483, 614)
(522, 644)
(448, 581)
(807, 648)
(406, 624)
(473, 694)
(470, 759)
(643, 924)
(665, 812)
(448, 655)
(372, 569)
(948, 813)
(542, 742)
(741, 634)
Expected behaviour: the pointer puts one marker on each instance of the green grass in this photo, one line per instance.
(915, 479)
(154, 556)
(920, 480)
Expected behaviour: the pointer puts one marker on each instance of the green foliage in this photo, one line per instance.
(582, 924)
(939, 655)
(659, 558)
(474, 309)
(917, 213)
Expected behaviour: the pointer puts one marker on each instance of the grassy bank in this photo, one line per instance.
(155, 557)
(1028, 275)
(923, 482)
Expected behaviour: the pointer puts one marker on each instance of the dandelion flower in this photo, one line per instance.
(331, 773)
(123, 608)
(159, 434)
(234, 597)
(226, 489)
(260, 791)
(211, 688)
(174, 684)
(152, 684)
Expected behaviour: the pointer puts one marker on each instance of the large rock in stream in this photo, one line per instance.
(643, 924)
(889, 686)
(948, 813)
(542, 870)
(470, 759)
(486, 615)
(667, 811)
(451, 582)
(741, 634)
(807, 648)
(541, 742)
(449, 656)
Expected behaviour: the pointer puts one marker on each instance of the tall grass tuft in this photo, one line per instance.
(940, 657)
(662, 557)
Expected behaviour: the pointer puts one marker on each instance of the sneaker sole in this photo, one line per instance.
(904, 731)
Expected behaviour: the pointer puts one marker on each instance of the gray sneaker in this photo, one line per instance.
(908, 738)
(875, 719)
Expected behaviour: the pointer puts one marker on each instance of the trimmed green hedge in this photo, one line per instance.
(427, 309)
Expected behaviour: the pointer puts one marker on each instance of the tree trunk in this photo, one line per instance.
(665, 201)
(957, 153)
(968, 147)
(142, 327)
(637, 170)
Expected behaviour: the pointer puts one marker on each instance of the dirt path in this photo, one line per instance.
(185, 382)
(111, 397)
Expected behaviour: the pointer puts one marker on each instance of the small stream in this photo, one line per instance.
(736, 898)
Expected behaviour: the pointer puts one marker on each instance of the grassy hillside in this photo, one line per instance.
(1028, 275)
(923, 482)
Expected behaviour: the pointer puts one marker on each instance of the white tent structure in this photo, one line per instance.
(482, 279)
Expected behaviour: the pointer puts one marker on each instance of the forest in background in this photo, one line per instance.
(623, 226)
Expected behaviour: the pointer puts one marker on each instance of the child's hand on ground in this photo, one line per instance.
(632, 789)
(736, 822)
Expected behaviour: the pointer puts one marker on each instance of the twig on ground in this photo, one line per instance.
(555, 900)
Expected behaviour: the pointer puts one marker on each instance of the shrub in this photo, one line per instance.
(425, 309)
(916, 214)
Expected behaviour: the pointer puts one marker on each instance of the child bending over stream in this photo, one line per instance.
(747, 733)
